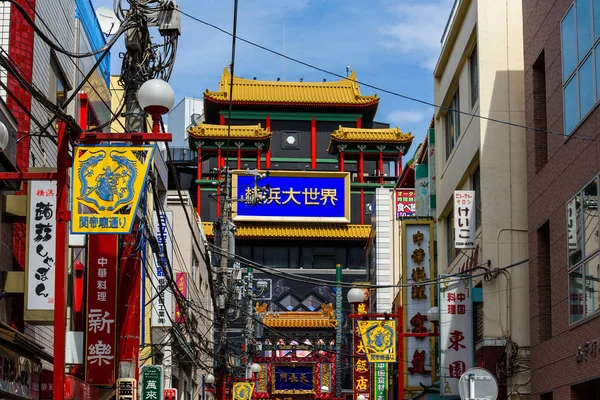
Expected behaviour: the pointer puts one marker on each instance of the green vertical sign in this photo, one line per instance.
(152, 383)
(381, 381)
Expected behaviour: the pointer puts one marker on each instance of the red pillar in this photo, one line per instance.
(268, 160)
(361, 179)
(258, 155)
(359, 122)
(399, 164)
(341, 161)
(313, 143)
(60, 295)
(239, 157)
(380, 166)
(400, 334)
(222, 119)
(199, 176)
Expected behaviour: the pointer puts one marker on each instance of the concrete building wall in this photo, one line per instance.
(180, 119)
(497, 152)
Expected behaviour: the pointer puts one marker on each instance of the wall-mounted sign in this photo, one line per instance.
(18, 374)
(107, 184)
(417, 261)
(242, 390)
(379, 340)
(405, 204)
(456, 332)
(101, 315)
(381, 381)
(361, 374)
(41, 245)
(464, 219)
(162, 305)
(293, 378)
(181, 282)
(262, 385)
(151, 382)
(170, 394)
(292, 196)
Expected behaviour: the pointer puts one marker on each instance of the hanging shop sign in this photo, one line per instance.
(417, 262)
(464, 219)
(151, 382)
(170, 394)
(381, 381)
(242, 390)
(456, 332)
(379, 340)
(101, 329)
(361, 374)
(293, 379)
(405, 204)
(107, 185)
(181, 282)
(41, 247)
(19, 375)
(292, 196)
(162, 305)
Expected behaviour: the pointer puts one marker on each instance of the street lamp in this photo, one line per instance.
(156, 97)
(324, 388)
(356, 295)
(255, 368)
(361, 397)
(3, 137)
(433, 315)
(210, 379)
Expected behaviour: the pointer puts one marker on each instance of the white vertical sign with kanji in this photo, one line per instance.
(41, 242)
(456, 332)
(162, 303)
(464, 219)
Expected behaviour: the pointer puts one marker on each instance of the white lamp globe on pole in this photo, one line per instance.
(3, 137)
(433, 315)
(156, 97)
(356, 295)
(361, 397)
(324, 388)
(255, 368)
(210, 379)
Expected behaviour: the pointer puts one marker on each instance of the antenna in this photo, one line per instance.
(478, 384)
(284, 49)
(109, 23)
(196, 119)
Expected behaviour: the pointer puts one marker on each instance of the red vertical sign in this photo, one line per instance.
(101, 315)
(181, 280)
(362, 370)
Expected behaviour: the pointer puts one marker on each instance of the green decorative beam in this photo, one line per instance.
(291, 116)
(208, 182)
(358, 185)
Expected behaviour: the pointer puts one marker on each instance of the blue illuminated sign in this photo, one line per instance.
(293, 196)
(293, 379)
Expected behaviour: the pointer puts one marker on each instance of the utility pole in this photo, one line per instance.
(249, 322)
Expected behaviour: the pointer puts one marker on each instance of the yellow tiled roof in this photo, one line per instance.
(236, 132)
(369, 135)
(298, 231)
(299, 319)
(249, 91)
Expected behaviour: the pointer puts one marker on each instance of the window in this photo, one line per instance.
(477, 188)
(452, 124)
(580, 30)
(583, 253)
(539, 112)
(474, 75)
(450, 238)
(57, 85)
(544, 283)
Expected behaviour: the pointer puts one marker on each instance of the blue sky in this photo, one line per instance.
(392, 44)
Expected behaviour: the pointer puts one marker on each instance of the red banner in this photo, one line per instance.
(181, 280)
(362, 370)
(101, 334)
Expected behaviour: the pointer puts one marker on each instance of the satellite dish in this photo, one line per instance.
(196, 119)
(109, 23)
(478, 384)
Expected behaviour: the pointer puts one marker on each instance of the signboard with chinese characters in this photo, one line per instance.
(293, 378)
(456, 332)
(379, 340)
(381, 381)
(262, 385)
(19, 375)
(464, 219)
(326, 377)
(101, 329)
(242, 390)
(572, 217)
(151, 382)
(41, 246)
(362, 369)
(107, 184)
(162, 305)
(405, 204)
(292, 196)
(417, 261)
(170, 394)
(181, 282)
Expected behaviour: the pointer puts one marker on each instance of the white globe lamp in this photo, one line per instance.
(156, 97)
(361, 397)
(3, 137)
(210, 379)
(255, 368)
(356, 295)
(324, 388)
(433, 315)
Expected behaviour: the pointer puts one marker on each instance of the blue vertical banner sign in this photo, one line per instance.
(293, 196)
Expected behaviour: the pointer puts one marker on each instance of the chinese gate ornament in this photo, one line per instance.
(242, 390)
(379, 340)
(107, 185)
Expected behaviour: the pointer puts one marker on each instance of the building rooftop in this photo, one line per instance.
(297, 231)
(375, 135)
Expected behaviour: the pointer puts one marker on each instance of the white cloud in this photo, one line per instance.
(404, 117)
(418, 29)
